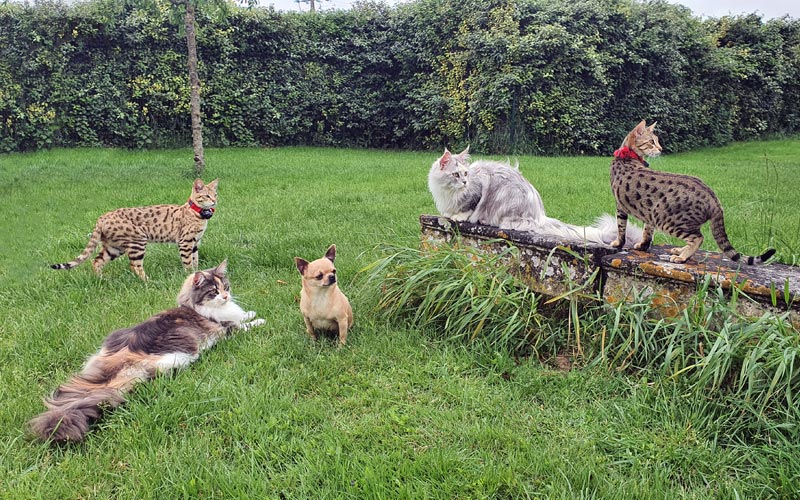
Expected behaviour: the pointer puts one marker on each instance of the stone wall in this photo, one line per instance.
(552, 268)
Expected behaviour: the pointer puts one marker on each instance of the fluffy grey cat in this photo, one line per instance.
(496, 194)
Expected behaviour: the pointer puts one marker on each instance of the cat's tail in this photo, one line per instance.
(721, 237)
(76, 405)
(94, 240)
(602, 232)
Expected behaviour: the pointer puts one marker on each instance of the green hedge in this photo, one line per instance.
(532, 76)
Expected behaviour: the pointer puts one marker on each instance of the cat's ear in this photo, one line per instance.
(330, 254)
(301, 264)
(213, 184)
(652, 127)
(445, 159)
(639, 130)
(465, 152)
(222, 268)
(198, 185)
(198, 279)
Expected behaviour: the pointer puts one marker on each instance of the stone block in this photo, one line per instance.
(547, 266)
(552, 268)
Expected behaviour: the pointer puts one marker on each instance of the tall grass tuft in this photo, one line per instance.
(744, 371)
(459, 293)
(747, 368)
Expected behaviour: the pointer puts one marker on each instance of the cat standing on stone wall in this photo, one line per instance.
(674, 203)
(496, 194)
(128, 230)
(170, 339)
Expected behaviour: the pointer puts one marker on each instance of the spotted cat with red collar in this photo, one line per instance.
(128, 230)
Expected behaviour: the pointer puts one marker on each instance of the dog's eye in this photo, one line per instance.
(319, 276)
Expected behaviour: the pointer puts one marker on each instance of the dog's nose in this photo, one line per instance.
(331, 279)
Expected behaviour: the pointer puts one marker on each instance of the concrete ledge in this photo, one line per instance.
(550, 267)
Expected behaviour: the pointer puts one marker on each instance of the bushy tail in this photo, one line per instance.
(94, 240)
(721, 237)
(73, 408)
(606, 224)
(602, 232)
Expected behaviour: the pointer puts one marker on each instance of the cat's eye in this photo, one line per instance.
(455, 174)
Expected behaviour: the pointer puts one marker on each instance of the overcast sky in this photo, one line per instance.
(713, 8)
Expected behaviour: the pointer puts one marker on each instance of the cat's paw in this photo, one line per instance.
(642, 245)
(249, 315)
(252, 324)
(461, 216)
(676, 250)
(677, 259)
(617, 243)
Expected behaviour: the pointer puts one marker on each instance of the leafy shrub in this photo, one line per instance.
(521, 76)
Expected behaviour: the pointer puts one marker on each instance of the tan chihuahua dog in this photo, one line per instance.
(323, 305)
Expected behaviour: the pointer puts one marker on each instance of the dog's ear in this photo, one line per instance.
(301, 264)
(330, 254)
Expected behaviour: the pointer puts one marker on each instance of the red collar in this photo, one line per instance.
(204, 213)
(625, 152)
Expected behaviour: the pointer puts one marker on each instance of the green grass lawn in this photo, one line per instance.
(269, 414)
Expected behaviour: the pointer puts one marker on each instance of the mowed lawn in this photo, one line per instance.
(270, 414)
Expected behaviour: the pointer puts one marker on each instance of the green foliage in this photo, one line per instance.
(524, 76)
(745, 371)
(269, 414)
(749, 367)
(466, 293)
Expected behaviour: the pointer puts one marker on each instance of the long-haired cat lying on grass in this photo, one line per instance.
(170, 339)
(496, 194)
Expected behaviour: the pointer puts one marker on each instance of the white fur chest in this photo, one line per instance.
(448, 199)
(227, 312)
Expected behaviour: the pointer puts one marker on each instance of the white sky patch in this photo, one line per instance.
(704, 8)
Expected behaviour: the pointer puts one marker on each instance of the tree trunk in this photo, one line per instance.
(312, 5)
(194, 91)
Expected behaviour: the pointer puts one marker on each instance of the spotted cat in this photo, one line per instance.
(128, 230)
(676, 204)
(169, 340)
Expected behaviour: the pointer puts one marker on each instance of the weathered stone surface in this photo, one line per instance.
(552, 268)
(548, 266)
(773, 287)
